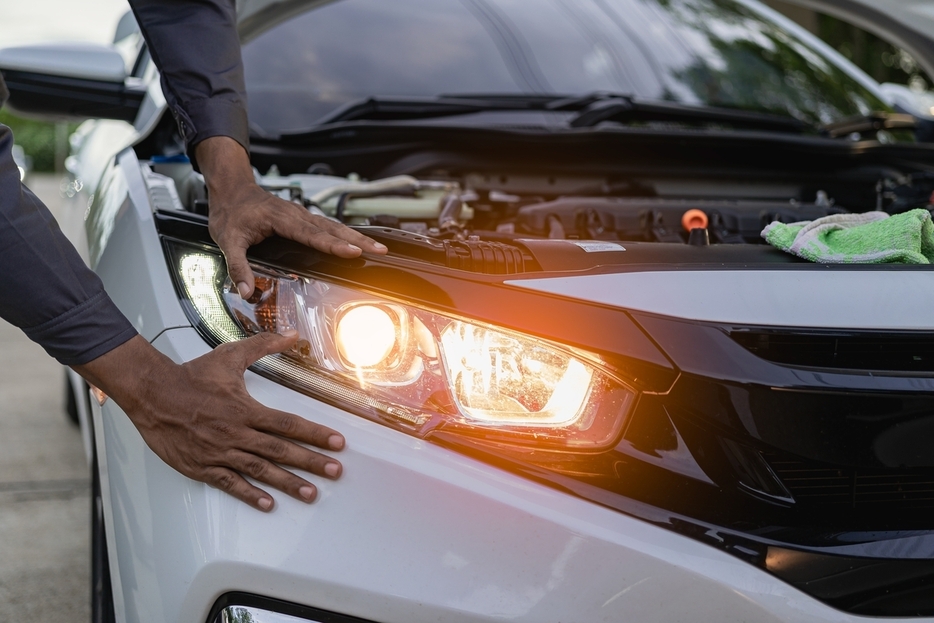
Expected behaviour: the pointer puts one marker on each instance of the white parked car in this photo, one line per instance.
(556, 409)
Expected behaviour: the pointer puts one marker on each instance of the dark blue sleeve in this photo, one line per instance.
(48, 291)
(195, 45)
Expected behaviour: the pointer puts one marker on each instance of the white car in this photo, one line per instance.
(556, 409)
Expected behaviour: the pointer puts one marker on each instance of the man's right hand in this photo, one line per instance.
(199, 418)
(242, 214)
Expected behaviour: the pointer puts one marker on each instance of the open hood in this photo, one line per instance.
(906, 23)
(257, 15)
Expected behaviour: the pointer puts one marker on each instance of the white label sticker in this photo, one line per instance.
(593, 246)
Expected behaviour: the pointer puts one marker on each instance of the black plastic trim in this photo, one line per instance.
(707, 350)
(59, 96)
(249, 600)
(885, 352)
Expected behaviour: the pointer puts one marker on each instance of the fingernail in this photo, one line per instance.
(290, 332)
(380, 247)
(265, 503)
(335, 442)
(308, 492)
(244, 290)
(332, 469)
(355, 247)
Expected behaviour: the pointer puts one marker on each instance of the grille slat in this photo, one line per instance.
(816, 484)
(878, 351)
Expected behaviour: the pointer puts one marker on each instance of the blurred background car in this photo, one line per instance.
(23, 162)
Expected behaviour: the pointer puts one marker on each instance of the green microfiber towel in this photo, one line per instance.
(868, 238)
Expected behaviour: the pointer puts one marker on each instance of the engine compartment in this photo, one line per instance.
(502, 223)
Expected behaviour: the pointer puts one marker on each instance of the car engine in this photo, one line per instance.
(505, 209)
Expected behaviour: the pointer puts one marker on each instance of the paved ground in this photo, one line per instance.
(44, 484)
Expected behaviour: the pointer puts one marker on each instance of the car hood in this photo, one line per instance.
(907, 23)
(804, 296)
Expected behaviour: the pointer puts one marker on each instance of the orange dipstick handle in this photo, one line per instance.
(694, 219)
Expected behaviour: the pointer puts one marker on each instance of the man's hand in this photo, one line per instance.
(242, 214)
(200, 420)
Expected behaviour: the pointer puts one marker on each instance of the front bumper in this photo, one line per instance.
(412, 532)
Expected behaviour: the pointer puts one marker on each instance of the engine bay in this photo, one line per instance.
(503, 223)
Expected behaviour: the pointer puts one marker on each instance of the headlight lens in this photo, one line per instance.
(416, 368)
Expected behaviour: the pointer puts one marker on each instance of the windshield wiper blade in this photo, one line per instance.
(869, 123)
(627, 109)
(408, 108)
(592, 109)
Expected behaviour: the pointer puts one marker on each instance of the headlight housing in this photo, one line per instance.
(412, 367)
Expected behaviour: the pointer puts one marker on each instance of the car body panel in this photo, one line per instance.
(899, 300)
(102, 449)
(469, 543)
(120, 226)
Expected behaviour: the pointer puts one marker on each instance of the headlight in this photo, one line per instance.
(417, 368)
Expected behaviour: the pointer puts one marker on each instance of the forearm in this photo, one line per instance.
(109, 372)
(48, 290)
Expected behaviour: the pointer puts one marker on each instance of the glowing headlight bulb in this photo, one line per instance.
(365, 335)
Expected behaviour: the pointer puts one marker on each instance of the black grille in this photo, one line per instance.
(896, 352)
(857, 488)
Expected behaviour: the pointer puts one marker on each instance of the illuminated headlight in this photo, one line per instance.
(416, 368)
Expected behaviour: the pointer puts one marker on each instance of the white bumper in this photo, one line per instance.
(412, 533)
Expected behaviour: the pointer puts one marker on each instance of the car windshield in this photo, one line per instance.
(724, 53)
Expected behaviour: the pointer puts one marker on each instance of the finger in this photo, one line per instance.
(238, 268)
(236, 485)
(354, 237)
(254, 348)
(264, 471)
(294, 427)
(316, 237)
(284, 452)
(329, 236)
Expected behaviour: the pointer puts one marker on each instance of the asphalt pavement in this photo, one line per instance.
(44, 477)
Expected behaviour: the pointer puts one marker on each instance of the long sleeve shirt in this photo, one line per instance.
(48, 290)
(194, 44)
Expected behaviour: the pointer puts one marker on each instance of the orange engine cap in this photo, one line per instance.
(694, 219)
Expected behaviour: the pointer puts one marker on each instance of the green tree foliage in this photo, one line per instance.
(743, 61)
(883, 61)
(239, 615)
(36, 137)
